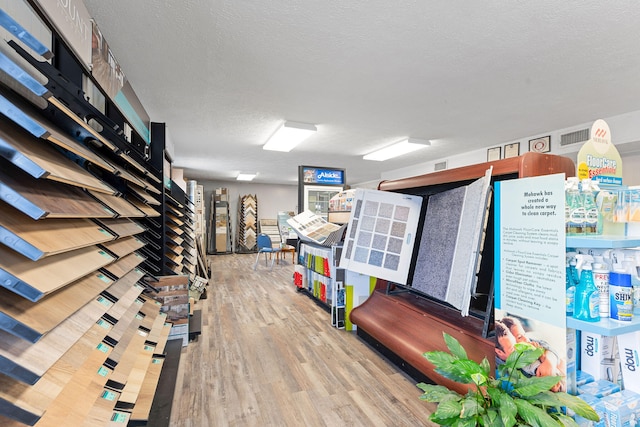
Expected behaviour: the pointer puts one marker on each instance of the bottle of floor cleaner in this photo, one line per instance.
(574, 208)
(592, 220)
(572, 279)
(587, 298)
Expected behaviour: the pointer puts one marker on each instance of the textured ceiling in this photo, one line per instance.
(224, 74)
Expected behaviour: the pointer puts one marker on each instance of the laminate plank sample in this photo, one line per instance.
(27, 362)
(142, 408)
(123, 246)
(121, 227)
(30, 321)
(44, 198)
(148, 210)
(124, 265)
(143, 195)
(128, 176)
(119, 205)
(102, 409)
(42, 161)
(34, 279)
(37, 239)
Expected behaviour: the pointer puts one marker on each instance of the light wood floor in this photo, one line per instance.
(268, 356)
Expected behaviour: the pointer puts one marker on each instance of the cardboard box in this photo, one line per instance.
(572, 366)
(599, 356)
(599, 388)
(622, 409)
(628, 348)
(583, 378)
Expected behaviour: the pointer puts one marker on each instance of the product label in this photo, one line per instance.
(621, 303)
(601, 280)
(594, 305)
(571, 293)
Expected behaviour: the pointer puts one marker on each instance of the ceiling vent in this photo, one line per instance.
(574, 137)
(440, 166)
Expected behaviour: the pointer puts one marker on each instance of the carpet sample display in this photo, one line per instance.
(451, 244)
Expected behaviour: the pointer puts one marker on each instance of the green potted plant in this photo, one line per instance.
(508, 399)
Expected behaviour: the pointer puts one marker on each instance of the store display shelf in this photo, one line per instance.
(607, 326)
(602, 242)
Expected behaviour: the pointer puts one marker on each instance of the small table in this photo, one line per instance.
(285, 249)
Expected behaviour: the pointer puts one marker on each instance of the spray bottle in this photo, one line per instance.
(601, 269)
(572, 279)
(573, 204)
(587, 298)
(592, 218)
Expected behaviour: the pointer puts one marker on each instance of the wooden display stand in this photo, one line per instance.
(404, 325)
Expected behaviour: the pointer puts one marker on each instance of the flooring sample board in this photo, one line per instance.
(148, 210)
(127, 176)
(37, 239)
(30, 321)
(102, 409)
(160, 413)
(123, 246)
(39, 127)
(42, 161)
(451, 244)
(381, 234)
(27, 362)
(119, 205)
(142, 408)
(121, 227)
(143, 195)
(34, 279)
(124, 265)
(46, 199)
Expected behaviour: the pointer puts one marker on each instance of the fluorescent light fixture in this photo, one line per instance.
(405, 146)
(288, 135)
(246, 176)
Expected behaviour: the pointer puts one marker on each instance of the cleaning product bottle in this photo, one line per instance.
(635, 282)
(592, 221)
(587, 298)
(576, 210)
(572, 280)
(621, 291)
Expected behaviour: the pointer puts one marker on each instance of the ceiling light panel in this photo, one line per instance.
(405, 146)
(288, 135)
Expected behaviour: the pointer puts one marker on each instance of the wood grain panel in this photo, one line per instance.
(29, 362)
(121, 227)
(127, 324)
(123, 246)
(30, 321)
(127, 300)
(124, 265)
(119, 205)
(128, 176)
(143, 195)
(41, 160)
(37, 239)
(34, 279)
(40, 199)
(148, 210)
(102, 409)
(142, 408)
(40, 127)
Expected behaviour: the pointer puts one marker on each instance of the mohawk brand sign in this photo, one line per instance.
(598, 158)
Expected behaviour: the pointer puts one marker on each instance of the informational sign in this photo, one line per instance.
(312, 175)
(598, 158)
(73, 22)
(530, 271)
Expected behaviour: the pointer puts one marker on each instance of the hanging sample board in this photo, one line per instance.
(247, 224)
(381, 234)
(451, 243)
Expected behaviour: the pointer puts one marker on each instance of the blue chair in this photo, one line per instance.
(265, 247)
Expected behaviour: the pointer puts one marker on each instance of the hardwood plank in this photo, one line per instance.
(148, 210)
(121, 227)
(123, 246)
(143, 195)
(39, 199)
(124, 265)
(102, 409)
(119, 204)
(127, 176)
(34, 279)
(31, 320)
(37, 239)
(40, 160)
(142, 408)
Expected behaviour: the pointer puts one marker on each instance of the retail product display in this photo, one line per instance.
(247, 224)
(314, 228)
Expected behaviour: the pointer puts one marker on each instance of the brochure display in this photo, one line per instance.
(313, 228)
(316, 186)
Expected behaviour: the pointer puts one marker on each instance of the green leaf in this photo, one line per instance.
(491, 418)
(461, 371)
(566, 421)
(508, 409)
(447, 410)
(479, 379)
(471, 407)
(533, 415)
(440, 359)
(437, 393)
(485, 366)
(577, 405)
(534, 385)
(443, 421)
(466, 422)
(545, 398)
(520, 359)
(454, 346)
